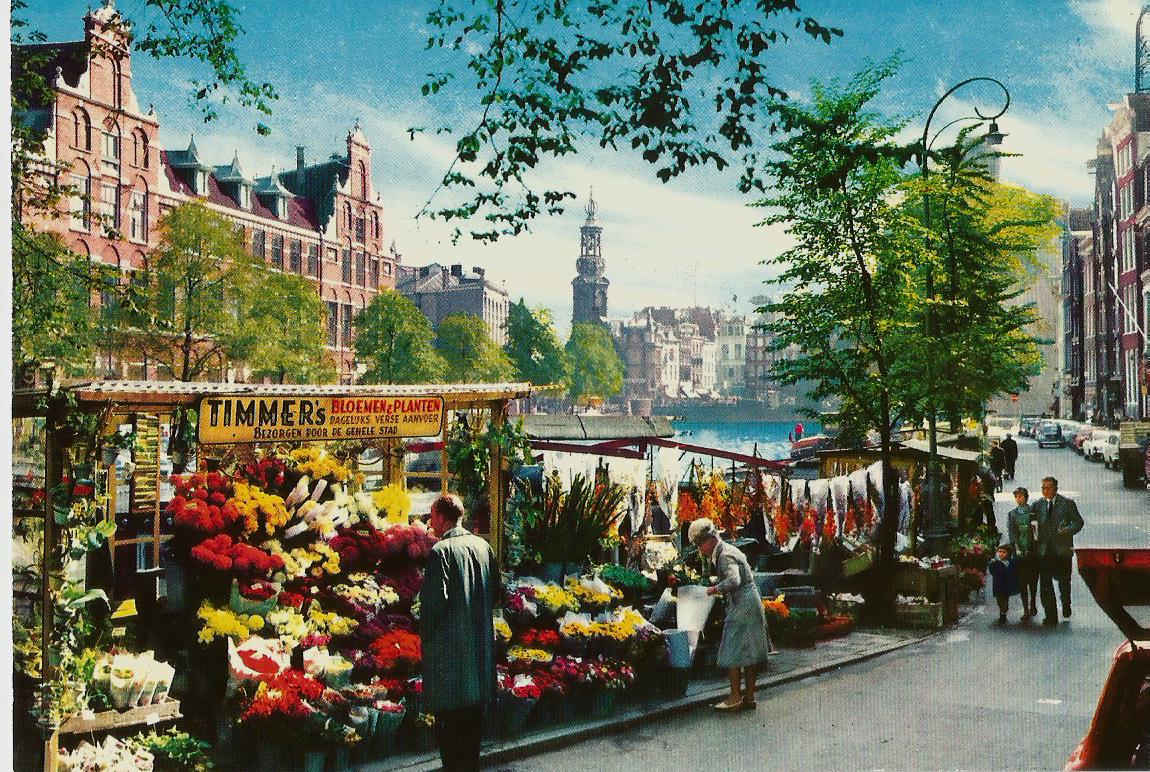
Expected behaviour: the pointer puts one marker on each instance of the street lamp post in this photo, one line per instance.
(937, 526)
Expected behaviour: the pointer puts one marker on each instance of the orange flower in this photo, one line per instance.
(688, 510)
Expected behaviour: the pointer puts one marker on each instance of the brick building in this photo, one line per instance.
(323, 221)
(1076, 249)
(438, 291)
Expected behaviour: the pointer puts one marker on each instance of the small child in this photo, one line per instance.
(1004, 571)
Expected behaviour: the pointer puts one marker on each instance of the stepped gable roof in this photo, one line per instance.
(71, 57)
(301, 212)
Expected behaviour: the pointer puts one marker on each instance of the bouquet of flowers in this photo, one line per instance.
(317, 463)
(520, 686)
(521, 658)
(224, 554)
(624, 578)
(538, 638)
(397, 651)
(267, 473)
(258, 511)
(225, 622)
(592, 594)
(200, 503)
(502, 630)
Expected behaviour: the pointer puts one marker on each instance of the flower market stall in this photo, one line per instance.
(239, 558)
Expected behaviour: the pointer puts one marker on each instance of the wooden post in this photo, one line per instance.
(53, 472)
(495, 496)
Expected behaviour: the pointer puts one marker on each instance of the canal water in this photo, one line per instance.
(770, 437)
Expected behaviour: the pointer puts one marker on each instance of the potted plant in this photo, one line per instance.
(566, 526)
(112, 444)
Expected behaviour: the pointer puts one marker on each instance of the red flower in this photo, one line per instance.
(396, 650)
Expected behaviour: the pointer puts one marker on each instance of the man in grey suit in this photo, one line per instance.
(1058, 521)
(460, 588)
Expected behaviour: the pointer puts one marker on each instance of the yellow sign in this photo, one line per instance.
(225, 420)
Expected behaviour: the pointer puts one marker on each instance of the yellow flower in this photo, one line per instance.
(523, 654)
(225, 622)
(318, 463)
(502, 629)
(394, 501)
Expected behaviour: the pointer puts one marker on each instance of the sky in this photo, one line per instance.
(694, 240)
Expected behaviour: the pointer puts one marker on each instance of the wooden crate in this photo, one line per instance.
(169, 710)
(846, 608)
(919, 616)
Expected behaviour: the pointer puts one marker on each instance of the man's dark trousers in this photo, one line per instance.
(458, 733)
(1054, 568)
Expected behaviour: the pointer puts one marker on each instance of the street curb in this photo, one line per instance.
(553, 739)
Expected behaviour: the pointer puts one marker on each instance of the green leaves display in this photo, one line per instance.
(567, 526)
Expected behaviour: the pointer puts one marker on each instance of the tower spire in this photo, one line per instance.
(589, 288)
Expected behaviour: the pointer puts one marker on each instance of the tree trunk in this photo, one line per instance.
(187, 358)
(879, 589)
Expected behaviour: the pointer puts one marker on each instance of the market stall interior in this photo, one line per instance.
(228, 562)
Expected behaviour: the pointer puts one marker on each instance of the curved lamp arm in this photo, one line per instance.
(925, 145)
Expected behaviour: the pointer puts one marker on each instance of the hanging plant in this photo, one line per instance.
(469, 454)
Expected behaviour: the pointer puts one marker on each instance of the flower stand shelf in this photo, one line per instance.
(118, 719)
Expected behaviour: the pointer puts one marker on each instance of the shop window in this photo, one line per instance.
(296, 256)
(278, 252)
(313, 260)
(332, 323)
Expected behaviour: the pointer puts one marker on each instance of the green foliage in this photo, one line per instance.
(469, 353)
(52, 290)
(596, 369)
(533, 346)
(175, 750)
(567, 526)
(680, 85)
(623, 578)
(186, 313)
(393, 338)
(285, 329)
(469, 451)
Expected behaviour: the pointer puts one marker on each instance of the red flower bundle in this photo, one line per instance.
(406, 583)
(539, 638)
(571, 670)
(201, 503)
(688, 509)
(830, 525)
(807, 529)
(850, 522)
(256, 590)
(396, 651)
(286, 695)
(290, 599)
(268, 473)
(868, 516)
(222, 553)
(782, 521)
(526, 690)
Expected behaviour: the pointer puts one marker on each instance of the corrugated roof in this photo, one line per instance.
(597, 427)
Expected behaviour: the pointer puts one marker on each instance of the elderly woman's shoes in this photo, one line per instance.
(728, 707)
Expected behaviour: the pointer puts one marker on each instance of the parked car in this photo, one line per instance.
(1119, 734)
(1109, 447)
(997, 427)
(1029, 424)
(1049, 434)
(1080, 438)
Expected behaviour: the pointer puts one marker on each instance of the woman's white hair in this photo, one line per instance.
(700, 530)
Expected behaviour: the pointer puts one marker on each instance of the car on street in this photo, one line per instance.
(1081, 437)
(1119, 734)
(997, 427)
(1028, 424)
(1049, 434)
(1104, 441)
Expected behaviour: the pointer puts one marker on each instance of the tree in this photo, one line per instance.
(468, 351)
(393, 337)
(849, 305)
(681, 85)
(52, 317)
(533, 347)
(596, 369)
(187, 314)
(285, 330)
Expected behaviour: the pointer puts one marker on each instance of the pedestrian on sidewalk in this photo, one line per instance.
(1058, 521)
(1004, 575)
(1010, 451)
(997, 464)
(744, 646)
(1022, 528)
(460, 588)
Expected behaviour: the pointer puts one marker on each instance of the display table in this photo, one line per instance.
(938, 585)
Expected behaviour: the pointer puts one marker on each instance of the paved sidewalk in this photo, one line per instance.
(789, 665)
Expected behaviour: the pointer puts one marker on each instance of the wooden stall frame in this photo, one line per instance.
(161, 398)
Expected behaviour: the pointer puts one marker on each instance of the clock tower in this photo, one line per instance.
(589, 288)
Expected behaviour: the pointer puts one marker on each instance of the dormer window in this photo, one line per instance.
(201, 185)
(245, 197)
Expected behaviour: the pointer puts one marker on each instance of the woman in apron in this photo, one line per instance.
(744, 646)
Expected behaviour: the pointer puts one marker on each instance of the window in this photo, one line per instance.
(362, 180)
(245, 196)
(117, 85)
(346, 266)
(138, 212)
(345, 326)
(386, 268)
(201, 187)
(258, 245)
(373, 274)
(142, 150)
(313, 260)
(111, 151)
(738, 350)
(81, 202)
(296, 256)
(109, 207)
(109, 296)
(360, 269)
(83, 137)
(278, 252)
(375, 224)
(332, 323)
(360, 229)
(347, 215)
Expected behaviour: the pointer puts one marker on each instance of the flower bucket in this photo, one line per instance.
(553, 572)
(603, 704)
(268, 757)
(383, 742)
(242, 605)
(680, 652)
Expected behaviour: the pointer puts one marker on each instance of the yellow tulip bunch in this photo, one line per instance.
(523, 654)
(502, 630)
(394, 502)
(555, 599)
(220, 622)
(253, 504)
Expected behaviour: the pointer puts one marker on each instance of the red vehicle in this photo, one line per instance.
(1082, 436)
(1119, 735)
